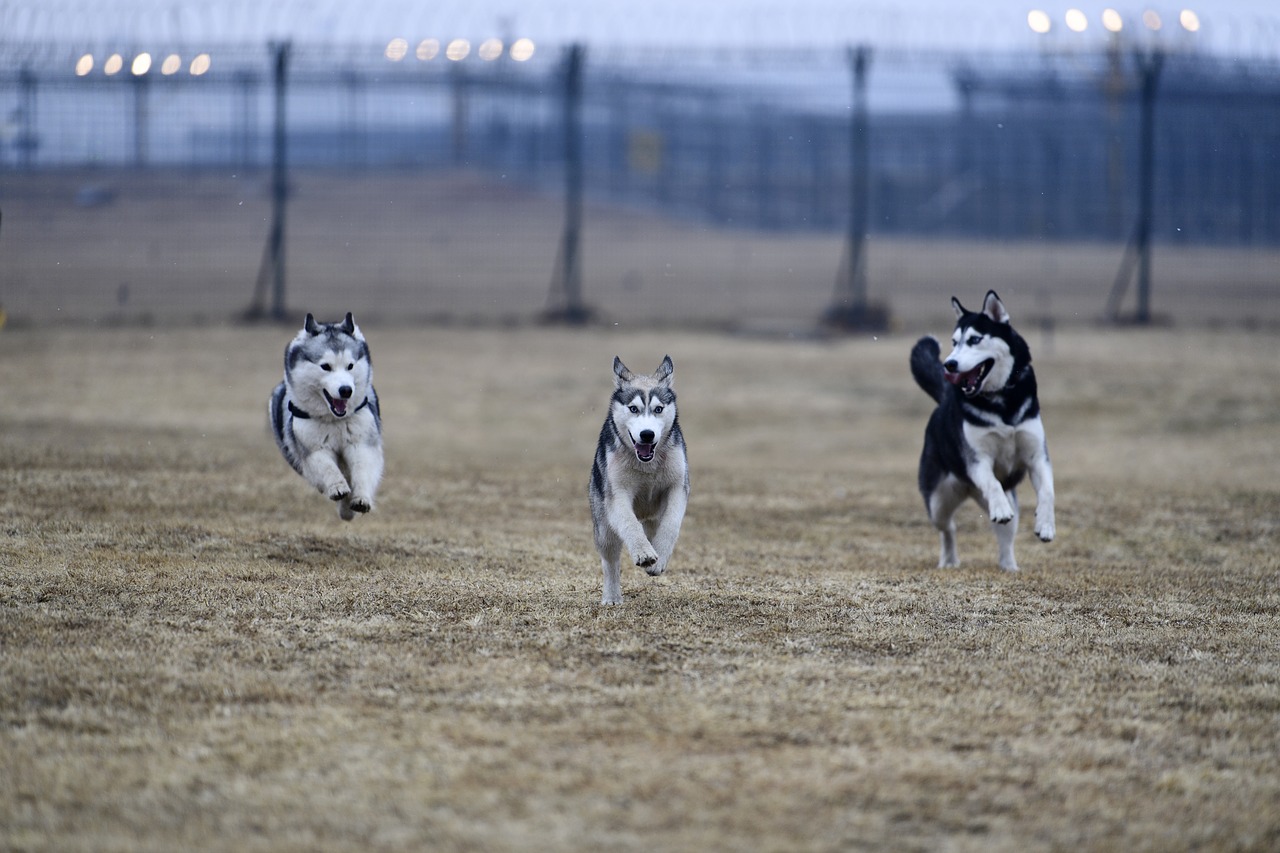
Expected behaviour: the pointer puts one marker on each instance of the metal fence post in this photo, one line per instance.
(850, 308)
(1139, 249)
(272, 266)
(27, 141)
(565, 301)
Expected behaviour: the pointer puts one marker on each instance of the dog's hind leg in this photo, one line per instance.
(1005, 535)
(943, 503)
(610, 555)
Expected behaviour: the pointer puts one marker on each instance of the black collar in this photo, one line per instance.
(299, 413)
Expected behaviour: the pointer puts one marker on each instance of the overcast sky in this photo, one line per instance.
(1242, 27)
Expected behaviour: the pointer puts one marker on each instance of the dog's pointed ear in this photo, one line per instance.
(310, 325)
(994, 308)
(958, 308)
(664, 371)
(620, 372)
(349, 324)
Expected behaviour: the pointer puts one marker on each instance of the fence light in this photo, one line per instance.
(490, 49)
(522, 50)
(458, 49)
(397, 49)
(428, 49)
(171, 65)
(1152, 19)
(113, 64)
(1039, 21)
(1076, 21)
(1112, 21)
(200, 65)
(1190, 20)
(84, 65)
(141, 64)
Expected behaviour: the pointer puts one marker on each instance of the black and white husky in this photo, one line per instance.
(325, 414)
(986, 433)
(640, 478)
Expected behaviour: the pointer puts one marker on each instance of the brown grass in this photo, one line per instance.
(198, 654)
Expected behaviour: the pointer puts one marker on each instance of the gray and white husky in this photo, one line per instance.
(325, 414)
(986, 432)
(640, 478)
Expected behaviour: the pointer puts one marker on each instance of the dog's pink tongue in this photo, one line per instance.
(339, 407)
(953, 378)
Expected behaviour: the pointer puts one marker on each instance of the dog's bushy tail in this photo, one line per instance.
(926, 367)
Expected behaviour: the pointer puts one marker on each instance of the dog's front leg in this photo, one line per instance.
(321, 470)
(365, 465)
(999, 510)
(667, 530)
(622, 518)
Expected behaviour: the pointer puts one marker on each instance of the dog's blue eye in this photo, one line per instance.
(974, 340)
(634, 409)
(350, 367)
(325, 367)
(657, 410)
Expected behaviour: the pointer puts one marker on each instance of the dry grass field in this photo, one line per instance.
(197, 653)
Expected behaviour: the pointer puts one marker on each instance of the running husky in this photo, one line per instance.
(986, 432)
(640, 479)
(325, 414)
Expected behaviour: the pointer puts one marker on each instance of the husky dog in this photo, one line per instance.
(640, 479)
(325, 414)
(986, 433)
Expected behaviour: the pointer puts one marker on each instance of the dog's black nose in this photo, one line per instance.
(646, 436)
(345, 392)
(950, 366)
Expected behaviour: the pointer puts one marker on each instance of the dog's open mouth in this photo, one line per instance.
(971, 380)
(337, 405)
(644, 452)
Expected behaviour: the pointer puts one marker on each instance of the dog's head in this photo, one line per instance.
(644, 407)
(982, 348)
(328, 365)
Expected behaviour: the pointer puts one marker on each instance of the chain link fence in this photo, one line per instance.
(740, 188)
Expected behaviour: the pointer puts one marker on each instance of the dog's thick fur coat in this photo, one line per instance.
(640, 478)
(325, 415)
(986, 433)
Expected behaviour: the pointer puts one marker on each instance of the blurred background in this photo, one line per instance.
(782, 168)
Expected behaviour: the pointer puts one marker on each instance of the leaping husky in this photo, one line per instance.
(640, 478)
(325, 414)
(986, 432)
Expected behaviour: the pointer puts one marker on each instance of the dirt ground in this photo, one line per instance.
(197, 653)
(164, 247)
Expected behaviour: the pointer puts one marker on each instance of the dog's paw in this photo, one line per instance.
(646, 557)
(336, 491)
(609, 600)
(656, 569)
(1002, 513)
(361, 504)
(1045, 530)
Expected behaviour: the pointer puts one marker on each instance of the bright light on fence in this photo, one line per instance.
(1112, 21)
(490, 49)
(1190, 20)
(171, 65)
(141, 64)
(397, 49)
(200, 65)
(522, 50)
(1151, 19)
(84, 65)
(113, 64)
(428, 49)
(1076, 21)
(458, 49)
(1039, 21)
